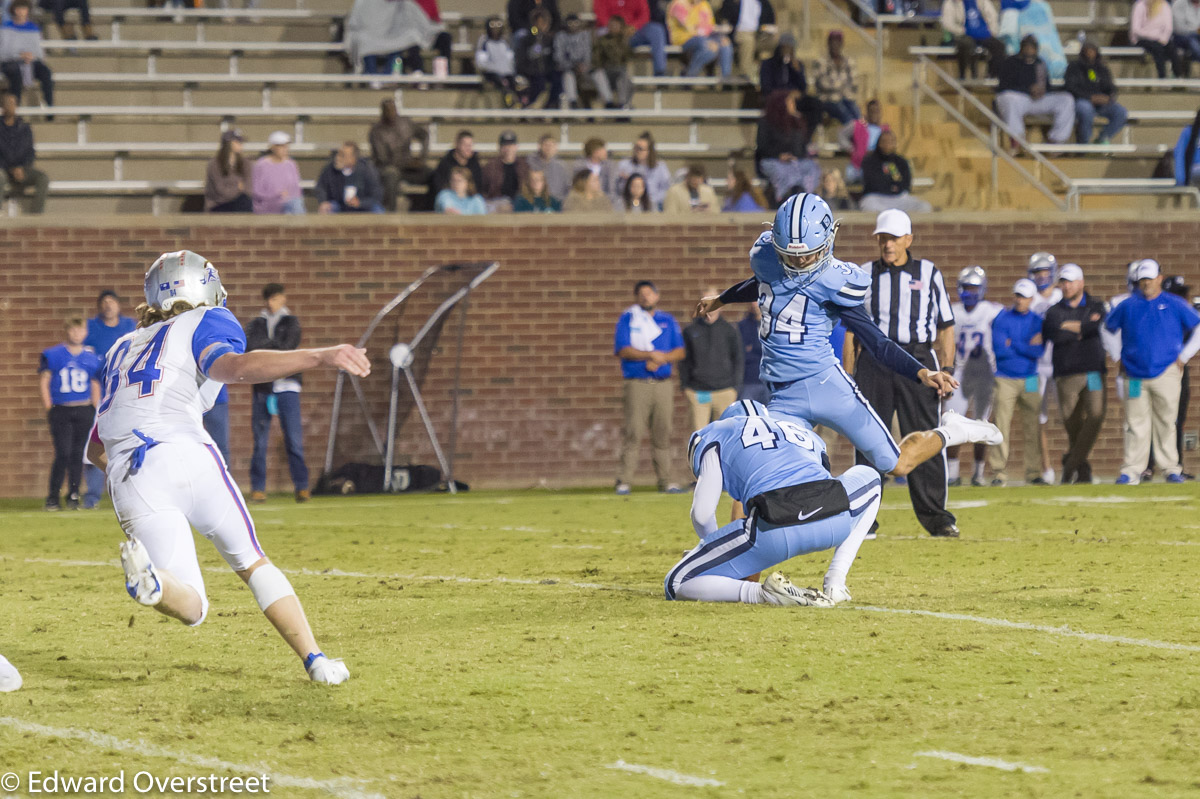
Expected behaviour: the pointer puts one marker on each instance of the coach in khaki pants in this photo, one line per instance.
(713, 366)
(648, 341)
(1154, 327)
(1017, 342)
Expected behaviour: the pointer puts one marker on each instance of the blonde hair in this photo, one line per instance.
(149, 315)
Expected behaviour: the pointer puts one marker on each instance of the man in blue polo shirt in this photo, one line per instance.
(103, 330)
(1017, 343)
(648, 342)
(1159, 334)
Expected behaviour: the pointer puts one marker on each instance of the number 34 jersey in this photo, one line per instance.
(796, 322)
(157, 380)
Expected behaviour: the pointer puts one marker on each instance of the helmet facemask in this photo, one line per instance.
(800, 263)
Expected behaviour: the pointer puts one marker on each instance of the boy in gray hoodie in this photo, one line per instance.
(21, 52)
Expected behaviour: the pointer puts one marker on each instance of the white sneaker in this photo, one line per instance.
(1048, 476)
(328, 672)
(962, 430)
(780, 591)
(141, 580)
(836, 593)
(10, 678)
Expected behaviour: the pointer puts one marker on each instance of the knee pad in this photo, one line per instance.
(269, 585)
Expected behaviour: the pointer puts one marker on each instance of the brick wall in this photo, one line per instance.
(541, 389)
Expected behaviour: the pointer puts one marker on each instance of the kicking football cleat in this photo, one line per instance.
(780, 591)
(836, 593)
(10, 678)
(326, 671)
(141, 580)
(959, 429)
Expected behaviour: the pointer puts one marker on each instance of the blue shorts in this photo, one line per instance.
(741, 548)
(832, 398)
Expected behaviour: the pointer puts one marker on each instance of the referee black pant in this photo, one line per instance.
(918, 408)
(69, 427)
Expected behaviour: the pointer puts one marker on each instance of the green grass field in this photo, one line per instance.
(518, 645)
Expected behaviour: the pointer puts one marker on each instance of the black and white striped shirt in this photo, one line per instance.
(909, 302)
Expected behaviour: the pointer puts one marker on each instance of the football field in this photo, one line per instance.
(517, 644)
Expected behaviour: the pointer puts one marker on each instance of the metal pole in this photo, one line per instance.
(390, 453)
(437, 450)
(333, 421)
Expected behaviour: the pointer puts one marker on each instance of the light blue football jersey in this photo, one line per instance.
(795, 325)
(759, 453)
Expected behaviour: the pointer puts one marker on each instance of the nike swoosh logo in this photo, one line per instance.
(810, 514)
(826, 380)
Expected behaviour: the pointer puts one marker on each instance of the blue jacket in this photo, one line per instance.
(1011, 333)
(1152, 332)
(1182, 173)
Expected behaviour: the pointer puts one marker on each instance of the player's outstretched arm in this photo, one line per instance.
(746, 291)
(262, 366)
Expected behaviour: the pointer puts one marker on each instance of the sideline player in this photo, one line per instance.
(777, 467)
(10, 678)
(164, 473)
(802, 290)
(1043, 271)
(975, 365)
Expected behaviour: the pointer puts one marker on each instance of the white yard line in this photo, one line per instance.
(346, 787)
(1109, 499)
(989, 762)
(666, 774)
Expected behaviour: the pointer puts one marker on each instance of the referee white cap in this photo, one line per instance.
(894, 222)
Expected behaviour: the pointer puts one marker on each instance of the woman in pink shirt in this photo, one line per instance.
(1151, 26)
(276, 179)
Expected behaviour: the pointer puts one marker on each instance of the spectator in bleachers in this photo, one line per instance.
(59, 9)
(741, 195)
(1187, 155)
(782, 71)
(1091, 84)
(433, 37)
(504, 175)
(973, 24)
(834, 192)
(228, 180)
(391, 141)
(496, 61)
(1024, 89)
(635, 14)
(521, 14)
(462, 154)
(379, 33)
(610, 65)
(887, 180)
(1151, 25)
(860, 137)
(595, 160)
(535, 196)
(349, 184)
(572, 58)
(545, 160)
(1021, 18)
(275, 179)
(693, 27)
(753, 24)
(644, 161)
(21, 52)
(535, 62)
(460, 198)
(782, 147)
(1017, 342)
(1185, 16)
(634, 197)
(587, 196)
(16, 158)
(834, 81)
(693, 195)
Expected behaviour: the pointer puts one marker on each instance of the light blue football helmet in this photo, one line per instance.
(803, 236)
(183, 276)
(744, 408)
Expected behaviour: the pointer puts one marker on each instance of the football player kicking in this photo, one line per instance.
(164, 472)
(778, 468)
(10, 678)
(976, 363)
(802, 290)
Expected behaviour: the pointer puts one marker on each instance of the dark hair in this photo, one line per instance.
(462, 134)
(579, 181)
(742, 185)
(627, 195)
(696, 171)
(652, 153)
(224, 162)
(638, 286)
(592, 145)
(527, 187)
(466, 173)
(28, 4)
(108, 293)
(777, 116)
(271, 290)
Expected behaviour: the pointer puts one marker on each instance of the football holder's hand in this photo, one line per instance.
(944, 383)
(708, 305)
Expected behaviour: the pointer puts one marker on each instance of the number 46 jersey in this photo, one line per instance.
(157, 380)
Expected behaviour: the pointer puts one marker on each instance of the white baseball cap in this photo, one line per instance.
(1070, 272)
(1025, 288)
(1148, 267)
(279, 137)
(894, 222)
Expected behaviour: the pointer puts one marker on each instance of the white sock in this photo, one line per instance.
(712, 588)
(979, 468)
(952, 468)
(847, 551)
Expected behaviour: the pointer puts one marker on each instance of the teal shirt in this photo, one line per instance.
(468, 206)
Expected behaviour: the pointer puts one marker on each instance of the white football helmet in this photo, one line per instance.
(185, 276)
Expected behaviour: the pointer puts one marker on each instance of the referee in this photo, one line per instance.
(907, 300)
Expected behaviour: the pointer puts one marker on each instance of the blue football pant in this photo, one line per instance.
(741, 548)
(832, 398)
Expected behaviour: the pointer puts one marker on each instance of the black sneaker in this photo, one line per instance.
(873, 533)
(955, 483)
(73, 502)
(949, 531)
(1037, 481)
(52, 506)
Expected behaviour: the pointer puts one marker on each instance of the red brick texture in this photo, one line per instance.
(541, 388)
